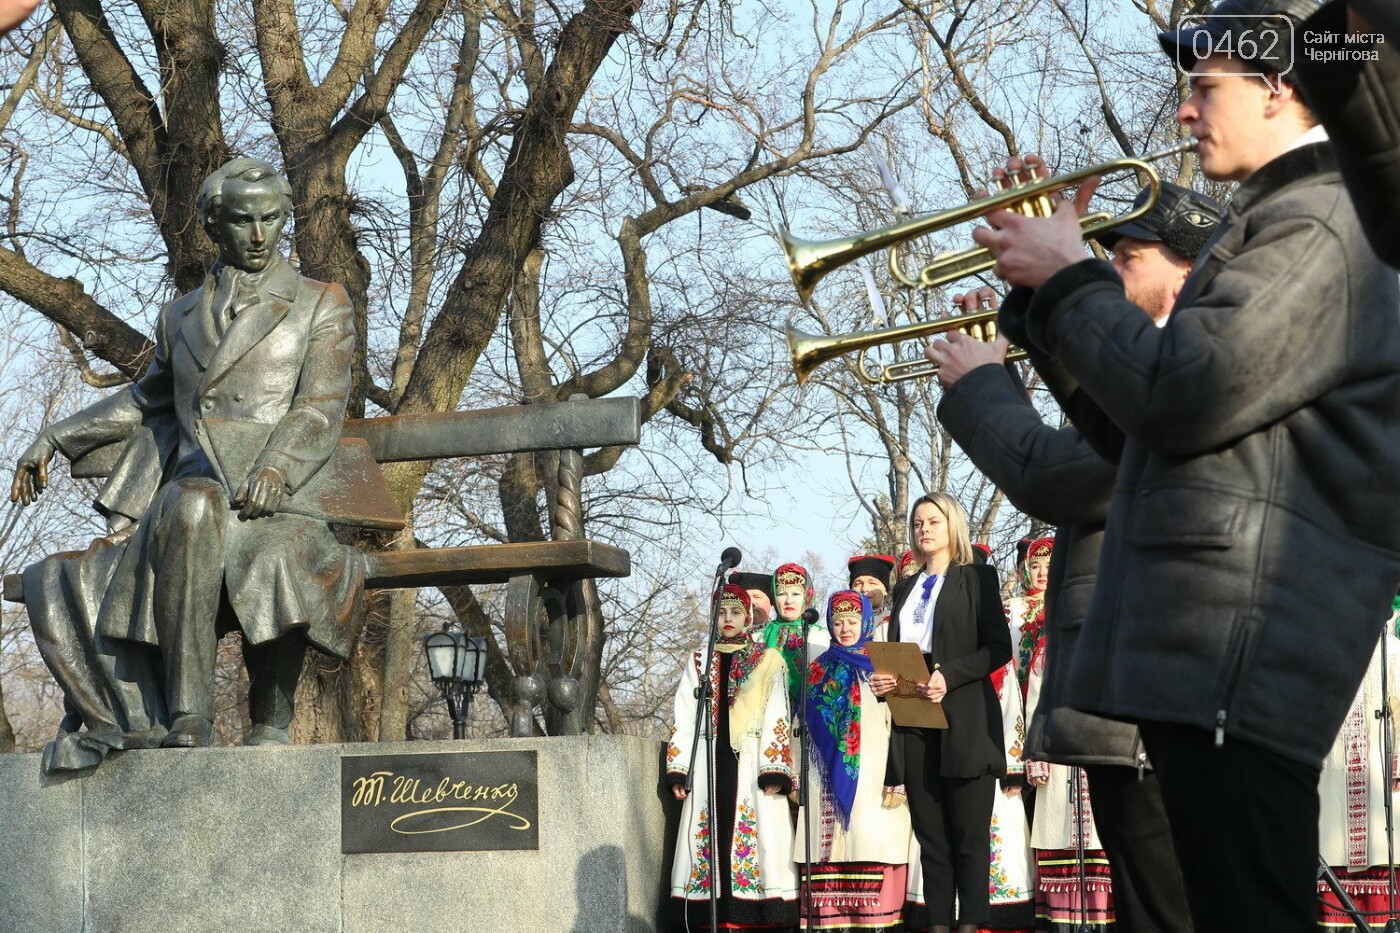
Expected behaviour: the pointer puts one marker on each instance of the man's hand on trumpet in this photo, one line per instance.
(958, 354)
(1029, 250)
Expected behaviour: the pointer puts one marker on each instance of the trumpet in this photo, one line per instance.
(808, 351)
(810, 260)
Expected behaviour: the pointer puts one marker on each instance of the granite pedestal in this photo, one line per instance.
(249, 839)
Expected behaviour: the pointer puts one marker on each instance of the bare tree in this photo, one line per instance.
(491, 182)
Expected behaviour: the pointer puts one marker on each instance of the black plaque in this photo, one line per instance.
(457, 802)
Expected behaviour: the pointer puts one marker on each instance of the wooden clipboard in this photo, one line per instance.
(903, 661)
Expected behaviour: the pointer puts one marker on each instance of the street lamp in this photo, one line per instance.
(457, 664)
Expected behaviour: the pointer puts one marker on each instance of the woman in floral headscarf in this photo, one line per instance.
(859, 846)
(1026, 613)
(792, 595)
(757, 883)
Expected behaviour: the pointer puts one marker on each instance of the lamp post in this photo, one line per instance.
(457, 664)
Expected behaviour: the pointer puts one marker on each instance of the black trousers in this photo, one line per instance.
(1148, 893)
(1244, 821)
(952, 820)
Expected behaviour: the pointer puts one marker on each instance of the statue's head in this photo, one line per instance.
(243, 205)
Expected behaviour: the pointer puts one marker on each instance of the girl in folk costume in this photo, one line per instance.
(1073, 887)
(1352, 794)
(1026, 613)
(1012, 884)
(792, 594)
(755, 878)
(859, 846)
(870, 576)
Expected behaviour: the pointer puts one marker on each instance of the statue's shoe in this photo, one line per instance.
(268, 735)
(188, 732)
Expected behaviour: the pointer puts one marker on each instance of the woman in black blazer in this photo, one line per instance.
(950, 774)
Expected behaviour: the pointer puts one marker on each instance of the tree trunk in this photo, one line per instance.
(400, 643)
(331, 700)
(7, 732)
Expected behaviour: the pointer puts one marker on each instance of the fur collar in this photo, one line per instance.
(1306, 163)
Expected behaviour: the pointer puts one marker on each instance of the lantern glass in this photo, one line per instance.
(472, 661)
(444, 653)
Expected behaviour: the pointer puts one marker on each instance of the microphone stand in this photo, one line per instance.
(1343, 898)
(1079, 831)
(803, 797)
(704, 713)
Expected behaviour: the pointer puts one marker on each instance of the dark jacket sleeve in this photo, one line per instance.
(1051, 474)
(1358, 101)
(993, 635)
(894, 764)
(1271, 332)
(1098, 430)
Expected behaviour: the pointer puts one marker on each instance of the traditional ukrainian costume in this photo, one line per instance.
(860, 847)
(1025, 614)
(1070, 890)
(1352, 793)
(786, 634)
(1011, 887)
(757, 884)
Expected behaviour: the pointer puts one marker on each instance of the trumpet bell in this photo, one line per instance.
(808, 351)
(808, 261)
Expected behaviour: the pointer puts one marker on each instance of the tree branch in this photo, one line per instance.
(66, 303)
(131, 103)
(538, 169)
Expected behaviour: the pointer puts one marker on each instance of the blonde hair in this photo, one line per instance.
(959, 541)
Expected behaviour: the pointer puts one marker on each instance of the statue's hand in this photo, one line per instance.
(32, 471)
(261, 493)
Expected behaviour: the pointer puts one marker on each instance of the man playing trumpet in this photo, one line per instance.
(1250, 553)
(1054, 476)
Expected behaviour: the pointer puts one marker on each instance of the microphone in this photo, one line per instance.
(811, 616)
(730, 558)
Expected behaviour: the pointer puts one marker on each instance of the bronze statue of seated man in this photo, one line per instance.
(241, 407)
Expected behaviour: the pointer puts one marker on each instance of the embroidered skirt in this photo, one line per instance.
(852, 897)
(1369, 890)
(1059, 905)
